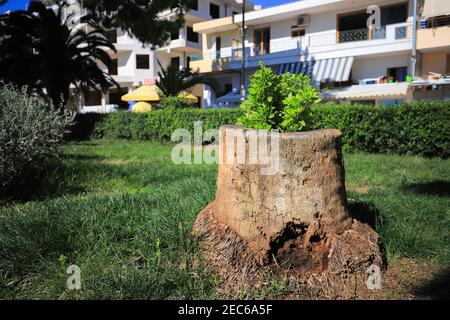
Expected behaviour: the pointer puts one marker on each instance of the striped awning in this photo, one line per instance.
(325, 70)
(297, 68)
(367, 92)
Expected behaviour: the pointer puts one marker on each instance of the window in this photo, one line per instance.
(390, 102)
(218, 47)
(175, 35)
(397, 74)
(262, 41)
(111, 35)
(297, 32)
(193, 5)
(191, 35)
(214, 11)
(228, 88)
(142, 61)
(188, 63)
(394, 14)
(114, 67)
(175, 62)
(353, 26)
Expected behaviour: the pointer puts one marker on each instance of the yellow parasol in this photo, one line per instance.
(150, 92)
(142, 107)
(188, 96)
(147, 92)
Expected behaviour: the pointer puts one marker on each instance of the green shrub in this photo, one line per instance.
(419, 128)
(83, 126)
(29, 134)
(160, 124)
(176, 103)
(278, 101)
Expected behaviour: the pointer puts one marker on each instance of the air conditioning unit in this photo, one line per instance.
(303, 20)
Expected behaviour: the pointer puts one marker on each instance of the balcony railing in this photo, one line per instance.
(361, 35)
(326, 40)
(213, 54)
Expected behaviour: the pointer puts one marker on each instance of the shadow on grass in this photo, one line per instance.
(79, 174)
(81, 157)
(438, 188)
(364, 212)
(438, 288)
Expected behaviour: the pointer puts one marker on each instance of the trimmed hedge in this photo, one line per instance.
(419, 128)
(84, 126)
(159, 124)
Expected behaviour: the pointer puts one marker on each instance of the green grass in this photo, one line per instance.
(123, 213)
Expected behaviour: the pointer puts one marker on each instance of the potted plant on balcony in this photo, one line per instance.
(294, 220)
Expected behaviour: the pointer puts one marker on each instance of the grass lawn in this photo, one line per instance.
(123, 213)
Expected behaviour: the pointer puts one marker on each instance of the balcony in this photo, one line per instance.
(216, 25)
(196, 16)
(212, 61)
(391, 38)
(433, 38)
(397, 32)
(182, 45)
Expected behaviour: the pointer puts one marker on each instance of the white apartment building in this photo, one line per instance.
(327, 39)
(135, 64)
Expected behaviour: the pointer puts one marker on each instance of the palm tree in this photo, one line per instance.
(38, 50)
(173, 80)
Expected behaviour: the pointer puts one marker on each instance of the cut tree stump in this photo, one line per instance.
(294, 222)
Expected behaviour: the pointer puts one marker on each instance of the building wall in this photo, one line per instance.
(322, 27)
(374, 67)
(433, 38)
(437, 62)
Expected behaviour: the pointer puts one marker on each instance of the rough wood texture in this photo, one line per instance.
(296, 218)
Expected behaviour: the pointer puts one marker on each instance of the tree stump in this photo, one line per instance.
(296, 219)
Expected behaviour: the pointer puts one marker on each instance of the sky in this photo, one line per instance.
(21, 4)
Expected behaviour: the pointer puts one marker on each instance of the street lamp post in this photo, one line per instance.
(414, 44)
(243, 54)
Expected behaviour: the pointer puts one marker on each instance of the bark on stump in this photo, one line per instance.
(296, 219)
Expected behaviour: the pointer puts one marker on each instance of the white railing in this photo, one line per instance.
(213, 54)
(286, 44)
(222, 53)
(394, 32)
(109, 108)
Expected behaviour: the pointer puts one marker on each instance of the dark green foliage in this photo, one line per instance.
(159, 124)
(174, 81)
(29, 135)
(176, 103)
(139, 18)
(420, 128)
(83, 126)
(278, 101)
(39, 50)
